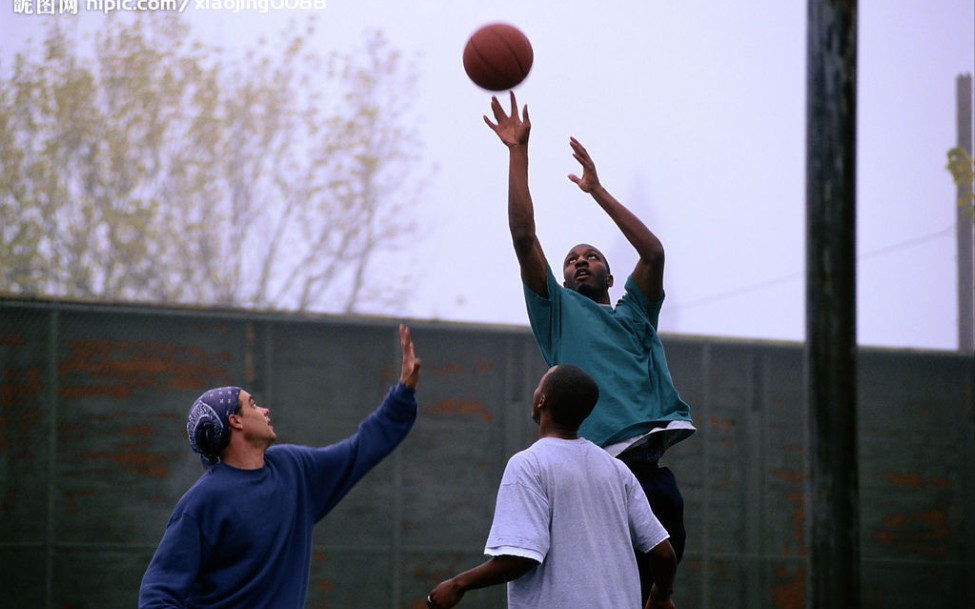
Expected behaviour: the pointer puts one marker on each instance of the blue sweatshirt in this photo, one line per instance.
(242, 538)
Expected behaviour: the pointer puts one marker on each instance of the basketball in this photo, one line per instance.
(498, 56)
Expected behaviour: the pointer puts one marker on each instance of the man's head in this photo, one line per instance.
(218, 414)
(586, 271)
(568, 393)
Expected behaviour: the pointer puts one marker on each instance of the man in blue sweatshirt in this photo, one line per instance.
(242, 535)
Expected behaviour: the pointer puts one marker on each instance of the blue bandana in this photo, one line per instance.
(208, 423)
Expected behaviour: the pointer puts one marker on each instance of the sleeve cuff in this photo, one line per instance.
(514, 551)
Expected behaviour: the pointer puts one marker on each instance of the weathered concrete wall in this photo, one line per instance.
(93, 455)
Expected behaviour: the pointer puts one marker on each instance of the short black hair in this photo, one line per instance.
(571, 393)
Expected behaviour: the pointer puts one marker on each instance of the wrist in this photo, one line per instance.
(459, 584)
(661, 594)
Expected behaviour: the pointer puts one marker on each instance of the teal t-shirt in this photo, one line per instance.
(619, 347)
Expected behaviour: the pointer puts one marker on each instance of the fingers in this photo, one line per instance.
(578, 150)
(411, 364)
(499, 113)
(514, 104)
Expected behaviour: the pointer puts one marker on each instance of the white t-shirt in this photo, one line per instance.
(580, 513)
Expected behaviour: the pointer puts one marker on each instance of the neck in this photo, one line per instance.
(554, 430)
(243, 459)
(601, 297)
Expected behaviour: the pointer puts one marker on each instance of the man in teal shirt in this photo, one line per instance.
(639, 414)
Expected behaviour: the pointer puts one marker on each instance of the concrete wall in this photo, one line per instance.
(93, 455)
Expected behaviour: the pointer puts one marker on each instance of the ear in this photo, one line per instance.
(235, 421)
(609, 280)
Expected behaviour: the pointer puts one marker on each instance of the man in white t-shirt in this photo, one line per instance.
(568, 517)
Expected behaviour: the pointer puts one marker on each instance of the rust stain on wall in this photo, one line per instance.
(796, 499)
(20, 411)
(447, 369)
(323, 585)
(790, 476)
(13, 339)
(463, 407)
(924, 533)
(133, 457)
(916, 480)
(118, 368)
(791, 592)
(73, 496)
(484, 366)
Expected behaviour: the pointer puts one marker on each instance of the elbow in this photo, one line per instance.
(653, 255)
(663, 563)
(656, 252)
(664, 553)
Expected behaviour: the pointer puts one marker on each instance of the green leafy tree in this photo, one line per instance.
(149, 167)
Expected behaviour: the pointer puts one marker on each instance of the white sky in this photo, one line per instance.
(694, 112)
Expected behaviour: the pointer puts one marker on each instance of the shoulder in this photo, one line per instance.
(527, 462)
(635, 303)
(552, 285)
(205, 496)
(212, 482)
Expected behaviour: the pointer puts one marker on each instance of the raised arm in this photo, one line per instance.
(649, 271)
(513, 131)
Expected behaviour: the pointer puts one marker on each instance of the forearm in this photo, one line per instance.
(663, 565)
(381, 432)
(497, 570)
(521, 222)
(521, 211)
(647, 245)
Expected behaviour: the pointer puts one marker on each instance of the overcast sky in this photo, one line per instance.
(694, 113)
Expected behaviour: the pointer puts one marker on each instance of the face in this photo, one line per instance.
(586, 271)
(254, 421)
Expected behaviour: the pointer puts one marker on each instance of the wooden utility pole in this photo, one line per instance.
(966, 243)
(834, 577)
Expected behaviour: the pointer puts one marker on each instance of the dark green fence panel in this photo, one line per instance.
(93, 454)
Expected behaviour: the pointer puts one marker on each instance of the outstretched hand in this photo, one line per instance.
(589, 180)
(411, 363)
(511, 129)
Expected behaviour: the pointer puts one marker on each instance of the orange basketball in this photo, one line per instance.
(498, 56)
